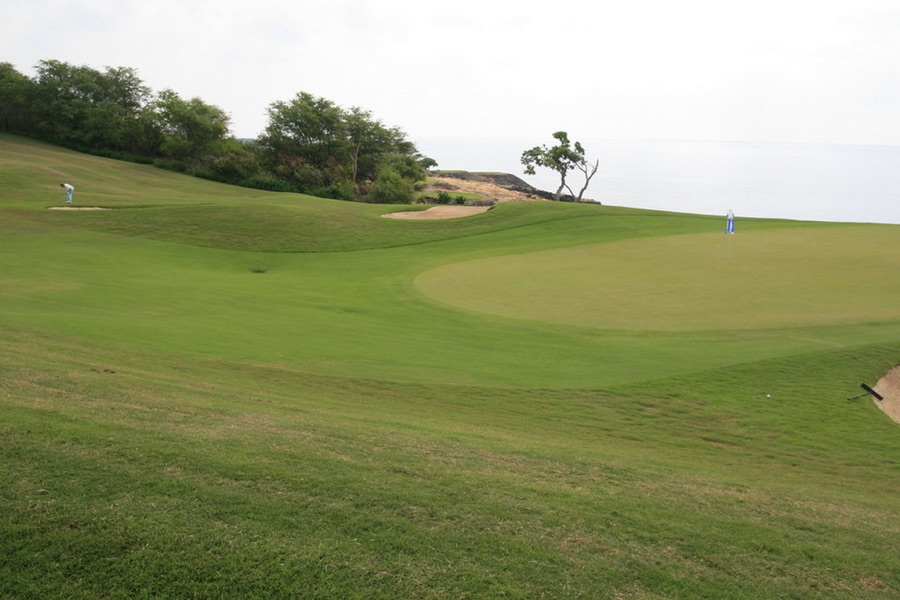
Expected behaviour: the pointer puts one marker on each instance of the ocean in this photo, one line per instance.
(812, 182)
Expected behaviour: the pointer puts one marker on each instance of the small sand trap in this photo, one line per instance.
(76, 208)
(889, 387)
(438, 212)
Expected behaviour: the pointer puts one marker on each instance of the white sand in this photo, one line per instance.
(438, 212)
(889, 387)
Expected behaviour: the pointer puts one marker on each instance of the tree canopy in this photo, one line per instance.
(324, 148)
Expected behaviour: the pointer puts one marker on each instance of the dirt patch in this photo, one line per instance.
(483, 190)
(76, 208)
(490, 188)
(438, 212)
(889, 387)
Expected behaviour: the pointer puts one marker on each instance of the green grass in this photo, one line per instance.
(770, 279)
(216, 392)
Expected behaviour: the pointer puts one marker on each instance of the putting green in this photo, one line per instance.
(808, 276)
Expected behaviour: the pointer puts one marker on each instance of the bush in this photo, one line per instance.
(342, 190)
(390, 188)
(268, 183)
(172, 165)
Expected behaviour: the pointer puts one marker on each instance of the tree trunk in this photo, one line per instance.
(587, 177)
(562, 185)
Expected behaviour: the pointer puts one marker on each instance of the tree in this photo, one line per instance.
(192, 129)
(116, 119)
(324, 149)
(16, 91)
(561, 158)
(63, 97)
(304, 141)
(90, 109)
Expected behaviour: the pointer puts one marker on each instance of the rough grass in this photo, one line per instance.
(183, 414)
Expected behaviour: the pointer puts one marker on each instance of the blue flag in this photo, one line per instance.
(729, 222)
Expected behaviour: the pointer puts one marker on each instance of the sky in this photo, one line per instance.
(766, 70)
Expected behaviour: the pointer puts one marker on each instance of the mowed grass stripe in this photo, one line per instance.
(757, 280)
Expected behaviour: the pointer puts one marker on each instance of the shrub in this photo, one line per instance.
(390, 188)
(268, 183)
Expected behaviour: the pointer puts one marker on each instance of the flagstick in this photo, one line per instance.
(729, 230)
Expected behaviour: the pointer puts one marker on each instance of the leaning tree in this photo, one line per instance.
(561, 158)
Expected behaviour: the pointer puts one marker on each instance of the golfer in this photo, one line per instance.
(69, 191)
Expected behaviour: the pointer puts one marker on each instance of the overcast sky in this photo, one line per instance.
(761, 70)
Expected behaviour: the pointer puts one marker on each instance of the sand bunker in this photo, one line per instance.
(438, 212)
(76, 208)
(889, 387)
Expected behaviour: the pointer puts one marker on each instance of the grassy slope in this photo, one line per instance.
(213, 391)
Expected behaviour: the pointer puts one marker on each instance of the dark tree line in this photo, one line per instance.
(310, 145)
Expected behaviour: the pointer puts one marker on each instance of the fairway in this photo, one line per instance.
(208, 391)
(758, 280)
